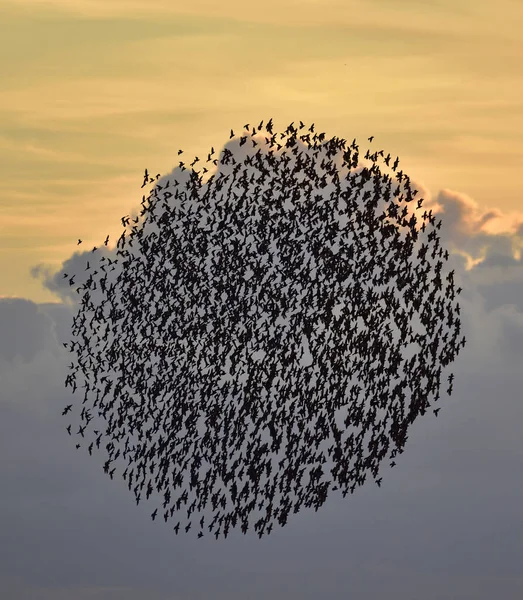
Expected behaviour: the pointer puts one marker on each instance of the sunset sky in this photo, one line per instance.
(92, 92)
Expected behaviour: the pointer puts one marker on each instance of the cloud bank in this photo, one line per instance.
(445, 523)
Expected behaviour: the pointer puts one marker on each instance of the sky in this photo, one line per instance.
(93, 92)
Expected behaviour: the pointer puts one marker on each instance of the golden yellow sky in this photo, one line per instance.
(94, 91)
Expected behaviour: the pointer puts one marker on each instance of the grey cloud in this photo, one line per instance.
(444, 524)
(430, 529)
(74, 266)
(490, 263)
(503, 293)
(62, 317)
(24, 329)
(497, 259)
(512, 335)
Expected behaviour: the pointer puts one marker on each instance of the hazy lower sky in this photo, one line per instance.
(94, 91)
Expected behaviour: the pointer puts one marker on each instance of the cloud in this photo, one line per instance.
(471, 231)
(445, 522)
(488, 259)
(67, 529)
(25, 329)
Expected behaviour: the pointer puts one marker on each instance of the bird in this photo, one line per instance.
(270, 284)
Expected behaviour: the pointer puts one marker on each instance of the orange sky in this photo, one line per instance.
(92, 92)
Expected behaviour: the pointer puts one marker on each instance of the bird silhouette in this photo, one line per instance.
(237, 317)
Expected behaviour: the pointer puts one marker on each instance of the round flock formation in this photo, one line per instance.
(264, 332)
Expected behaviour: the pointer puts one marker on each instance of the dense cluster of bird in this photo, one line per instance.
(263, 337)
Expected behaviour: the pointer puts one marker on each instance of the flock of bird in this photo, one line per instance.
(263, 337)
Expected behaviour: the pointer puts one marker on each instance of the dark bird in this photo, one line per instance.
(272, 284)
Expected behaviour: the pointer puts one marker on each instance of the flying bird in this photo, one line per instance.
(218, 341)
